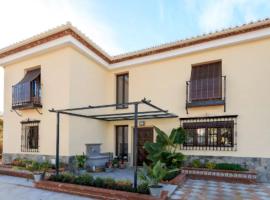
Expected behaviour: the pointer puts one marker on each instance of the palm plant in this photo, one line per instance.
(152, 175)
(165, 148)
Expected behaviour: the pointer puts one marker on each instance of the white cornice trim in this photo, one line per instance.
(69, 40)
(52, 45)
(233, 40)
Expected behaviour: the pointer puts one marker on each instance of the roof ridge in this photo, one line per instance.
(211, 33)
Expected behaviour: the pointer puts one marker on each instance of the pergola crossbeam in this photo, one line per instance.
(158, 113)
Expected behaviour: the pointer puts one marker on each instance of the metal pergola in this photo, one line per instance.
(136, 115)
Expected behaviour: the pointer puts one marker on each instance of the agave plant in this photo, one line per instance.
(165, 148)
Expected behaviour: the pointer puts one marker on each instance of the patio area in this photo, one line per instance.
(117, 174)
(214, 190)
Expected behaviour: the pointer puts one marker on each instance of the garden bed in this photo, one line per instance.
(178, 180)
(247, 177)
(94, 192)
(10, 171)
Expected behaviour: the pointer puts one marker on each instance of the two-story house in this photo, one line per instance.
(217, 84)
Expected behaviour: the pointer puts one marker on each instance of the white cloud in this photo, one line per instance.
(22, 19)
(225, 13)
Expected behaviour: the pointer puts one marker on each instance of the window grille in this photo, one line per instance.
(210, 133)
(30, 136)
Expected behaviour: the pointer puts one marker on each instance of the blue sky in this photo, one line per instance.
(120, 26)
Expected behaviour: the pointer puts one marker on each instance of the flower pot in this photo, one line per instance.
(155, 190)
(122, 166)
(38, 176)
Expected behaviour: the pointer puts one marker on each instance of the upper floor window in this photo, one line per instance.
(27, 93)
(205, 81)
(122, 90)
(206, 86)
(30, 136)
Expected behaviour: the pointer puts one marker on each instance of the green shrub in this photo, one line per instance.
(84, 179)
(124, 185)
(230, 166)
(80, 161)
(65, 178)
(68, 178)
(143, 188)
(196, 163)
(210, 165)
(109, 183)
(99, 182)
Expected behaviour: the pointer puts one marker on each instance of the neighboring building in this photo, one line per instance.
(218, 85)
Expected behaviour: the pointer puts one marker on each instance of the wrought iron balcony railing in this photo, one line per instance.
(26, 95)
(206, 92)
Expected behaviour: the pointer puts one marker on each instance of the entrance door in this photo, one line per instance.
(144, 135)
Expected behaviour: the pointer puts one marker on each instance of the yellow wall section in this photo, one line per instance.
(72, 80)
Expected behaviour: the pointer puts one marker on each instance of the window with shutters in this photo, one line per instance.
(122, 90)
(30, 136)
(206, 85)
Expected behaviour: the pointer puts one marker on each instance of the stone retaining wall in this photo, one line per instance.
(260, 165)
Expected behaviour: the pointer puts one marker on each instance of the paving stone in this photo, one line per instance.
(213, 190)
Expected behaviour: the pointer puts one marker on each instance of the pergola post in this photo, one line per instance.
(135, 143)
(57, 142)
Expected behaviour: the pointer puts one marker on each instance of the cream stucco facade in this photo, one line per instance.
(69, 78)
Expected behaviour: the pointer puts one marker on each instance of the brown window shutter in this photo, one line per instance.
(206, 82)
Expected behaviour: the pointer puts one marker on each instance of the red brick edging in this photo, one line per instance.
(178, 180)
(94, 192)
(10, 172)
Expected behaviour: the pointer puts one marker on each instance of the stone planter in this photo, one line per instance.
(38, 176)
(95, 192)
(155, 190)
(221, 175)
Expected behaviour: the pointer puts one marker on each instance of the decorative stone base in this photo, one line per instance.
(260, 165)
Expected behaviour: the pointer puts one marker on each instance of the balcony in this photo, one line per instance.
(206, 92)
(27, 93)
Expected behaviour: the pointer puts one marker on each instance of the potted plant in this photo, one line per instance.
(152, 176)
(37, 170)
(109, 166)
(122, 164)
(115, 162)
(80, 163)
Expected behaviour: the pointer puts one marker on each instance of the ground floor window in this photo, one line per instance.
(213, 133)
(122, 142)
(30, 136)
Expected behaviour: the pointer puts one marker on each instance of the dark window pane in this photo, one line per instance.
(122, 142)
(200, 136)
(211, 134)
(30, 137)
(122, 90)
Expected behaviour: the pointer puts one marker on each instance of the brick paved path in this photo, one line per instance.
(213, 190)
